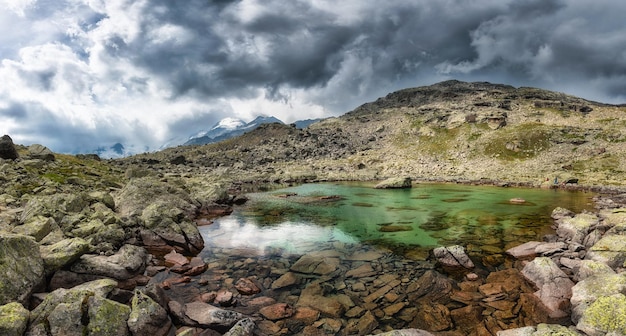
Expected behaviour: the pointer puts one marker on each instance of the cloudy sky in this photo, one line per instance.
(79, 74)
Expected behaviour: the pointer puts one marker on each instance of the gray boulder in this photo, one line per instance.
(575, 229)
(21, 267)
(147, 317)
(611, 250)
(395, 183)
(162, 212)
(40, 152)
(13, 319)
(587, 291)
(7, 148)
(126, 263)
(63, 312)
(62, 253)
(243, 327)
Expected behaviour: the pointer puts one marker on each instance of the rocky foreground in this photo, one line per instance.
(93, 247)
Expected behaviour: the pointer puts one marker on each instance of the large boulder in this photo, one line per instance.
(147, 317)
(554, 286)
(63, 312)
(162, 212)
(606, 315)
(13, 319)
(21, 267)
(128, 262)
(575, 229)
(62, 253)
(395, 183)
(40, 152)
(610, 249)
(587, 291)
(7, 148)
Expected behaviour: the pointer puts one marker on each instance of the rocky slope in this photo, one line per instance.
(451, 130)
(92, 247)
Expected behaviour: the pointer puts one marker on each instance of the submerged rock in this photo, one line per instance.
(395, 183)
(453, 257)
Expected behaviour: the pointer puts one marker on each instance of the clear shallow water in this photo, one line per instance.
(300, 219)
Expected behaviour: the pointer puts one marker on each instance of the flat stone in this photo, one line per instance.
(285, 280)
(453, 256)
(394, 308)
(313, 264)
(205, 315)
(555, 287)
(361, 271)
(365, 256)
(175, 259)
(277, 311)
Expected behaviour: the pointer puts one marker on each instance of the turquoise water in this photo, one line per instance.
(303, 218)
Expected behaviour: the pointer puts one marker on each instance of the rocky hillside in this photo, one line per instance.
(451, 130)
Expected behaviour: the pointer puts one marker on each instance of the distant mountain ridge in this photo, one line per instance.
(232, 127)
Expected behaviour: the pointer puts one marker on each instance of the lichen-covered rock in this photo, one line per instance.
(64, 311)
(200, 314)
(576, 228)
(37, 227)
(395, 183)
(162, 212)
(587, 291)
(147, 317)
(554, 286)
(542, 329)
(63, 253)
(107, 317)
(129, 261)
(606, 315)
(243, 327)
(13, 319)
(589, 268)
(21, 267)
(56, 206)
(611, 250)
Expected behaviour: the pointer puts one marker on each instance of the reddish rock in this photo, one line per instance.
(167, 284)
(261, 301)
(224, 298)
(207, 297)
(434, 317)
(196, 267)
(277, 311)
(467, 318)
(175, 259)
(524, 251)
(285, 280)
(246, 286)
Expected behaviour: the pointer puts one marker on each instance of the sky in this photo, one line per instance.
(76, 75)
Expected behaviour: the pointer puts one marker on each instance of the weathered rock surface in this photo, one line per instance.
(199, 314)
(41, 152)
(576, 228)
(395, 183)
(587, 291)
(21, 267)
(605, 316)
(147, 317)
(13, 319)
(554, 286)
(610, 250)
(163, 213)
(62, 253)
(129, 261)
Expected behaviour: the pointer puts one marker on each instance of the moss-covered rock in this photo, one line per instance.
(611, 250)
(66, 311)
(577, 227)
(108, 318)
(21, 267)
(63, 253)
(13, 319)
(587, 291)
(37, 227)
(147, 317)
(606, 315)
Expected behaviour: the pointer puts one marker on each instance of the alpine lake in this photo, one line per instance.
(367, 248)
